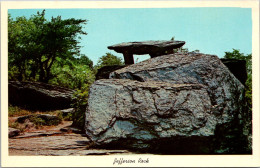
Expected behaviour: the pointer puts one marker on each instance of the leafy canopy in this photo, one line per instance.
(35, 44)
(108, 60)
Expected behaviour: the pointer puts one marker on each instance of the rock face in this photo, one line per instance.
(39, 96)
(223, 87)
(147, 111)
(173, 104)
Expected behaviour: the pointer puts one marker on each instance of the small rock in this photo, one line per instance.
(13, 132)
(69, 110)
(46, 119)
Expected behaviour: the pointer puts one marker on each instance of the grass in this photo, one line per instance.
(14, 111)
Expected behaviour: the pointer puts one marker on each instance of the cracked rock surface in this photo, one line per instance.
(224, 89)
(173, 104)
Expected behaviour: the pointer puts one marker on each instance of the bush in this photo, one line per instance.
(17, 111)
(80, 105)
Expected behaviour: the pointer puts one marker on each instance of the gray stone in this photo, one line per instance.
(56, 145)
(224, 89)
(153, 48)
(147, 111)
(39, 96)
(178, 104)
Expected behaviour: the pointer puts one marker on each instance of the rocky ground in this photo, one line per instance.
(60, 140)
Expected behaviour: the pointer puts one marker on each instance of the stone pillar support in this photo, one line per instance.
(128, 57)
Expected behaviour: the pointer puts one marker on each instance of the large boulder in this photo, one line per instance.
(176, 104)
(224, 89)
(147, 112)
(39, 96)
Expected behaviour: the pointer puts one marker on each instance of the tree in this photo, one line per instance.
(18, 46)
(35, 44)
(108, 60)
(72, 74)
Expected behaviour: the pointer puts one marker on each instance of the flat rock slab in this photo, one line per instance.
(64, 145)
(146, 47)
(39, 96)
(153, 48)
(37, 134)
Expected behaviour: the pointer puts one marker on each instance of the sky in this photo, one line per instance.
(209, 30)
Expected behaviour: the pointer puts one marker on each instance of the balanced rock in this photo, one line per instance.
(39, 96)
(224, 89)
(176, 104)
(153, 48)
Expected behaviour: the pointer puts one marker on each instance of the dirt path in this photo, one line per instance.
(50, 141)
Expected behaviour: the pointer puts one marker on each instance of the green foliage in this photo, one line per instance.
(13, 124)
(38, 121)
(35, 44)
(17, 111)
(108, 60)
(81, 94)
(72, 74)
(48, 51)
(68, 117)
(235, 54)
(80, 104)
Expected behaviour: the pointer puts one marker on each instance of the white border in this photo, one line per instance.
(154, 160)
